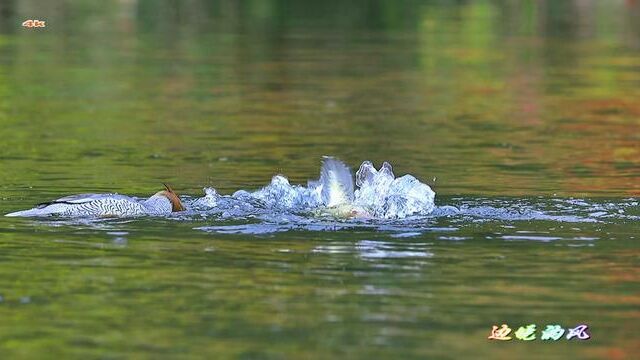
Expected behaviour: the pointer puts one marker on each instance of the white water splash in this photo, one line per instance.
(379, 195)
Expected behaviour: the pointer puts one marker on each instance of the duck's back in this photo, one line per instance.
(94, 205)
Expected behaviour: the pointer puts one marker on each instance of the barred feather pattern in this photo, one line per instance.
(104, 208)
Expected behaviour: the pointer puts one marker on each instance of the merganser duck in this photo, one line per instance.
(107, 205)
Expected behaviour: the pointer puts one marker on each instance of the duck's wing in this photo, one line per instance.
(336, 181)
(81, 199)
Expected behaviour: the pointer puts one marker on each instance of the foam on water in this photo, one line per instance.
(402, 206)
(379, 195)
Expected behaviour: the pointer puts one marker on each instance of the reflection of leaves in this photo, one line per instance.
(626, 153)
(428, 95)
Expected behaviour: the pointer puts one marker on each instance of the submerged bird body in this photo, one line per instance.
(107, 205)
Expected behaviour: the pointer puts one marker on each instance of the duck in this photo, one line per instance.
(163, 202)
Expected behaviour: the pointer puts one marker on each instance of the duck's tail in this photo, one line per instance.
(38, 211)
(18, 213)
(336, 181)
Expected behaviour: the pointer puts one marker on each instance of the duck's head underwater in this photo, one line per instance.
(169, 194)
